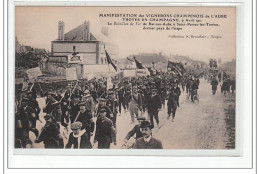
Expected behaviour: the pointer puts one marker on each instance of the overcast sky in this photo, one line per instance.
(38, 26)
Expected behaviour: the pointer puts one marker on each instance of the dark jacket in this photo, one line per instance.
(84, 142)
(87, 122)
(49, 136)
(177, 90)
(105, 131)
(153, 144)
(173, 99)
(136, 130)
(214, 84)
(154, 103)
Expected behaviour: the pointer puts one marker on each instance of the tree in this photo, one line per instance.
(28, 59)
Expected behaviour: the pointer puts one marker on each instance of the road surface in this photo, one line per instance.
(196, 126)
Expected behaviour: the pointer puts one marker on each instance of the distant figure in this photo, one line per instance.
(214, 84)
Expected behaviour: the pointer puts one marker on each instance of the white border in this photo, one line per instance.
(243, 110)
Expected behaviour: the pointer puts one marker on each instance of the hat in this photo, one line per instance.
(102, 99)
(154, 90)
(102, 110)
(25, 100)
(134, 87)
(145, 124)
(76, 125)
(141, 118)
(86, 91)
(47, 116)
(82, 104)
(110, 92)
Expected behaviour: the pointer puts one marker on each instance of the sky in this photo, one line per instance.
(38, 26)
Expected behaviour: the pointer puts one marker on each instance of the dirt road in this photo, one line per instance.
(205, 125)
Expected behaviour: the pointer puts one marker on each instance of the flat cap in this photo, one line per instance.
(76, 125)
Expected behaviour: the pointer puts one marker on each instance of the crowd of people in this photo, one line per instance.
(75, 114)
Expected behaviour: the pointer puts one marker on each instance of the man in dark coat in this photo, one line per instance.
(24, 116)
(136, 130)
(121, 100)
(176, 90)
(172, 103)
(153, 105)
(214, 84)
(50, 134)
(49, 103)
(74, 108)
(85, 117)
(147, 141)
(102, 105)
(112, 104)
(105, 131)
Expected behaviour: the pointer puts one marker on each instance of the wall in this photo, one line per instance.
(87, 49)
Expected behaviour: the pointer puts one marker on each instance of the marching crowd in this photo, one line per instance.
(77, 113)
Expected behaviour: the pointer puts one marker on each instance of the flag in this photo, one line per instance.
(138, 64)
(177, 68)
(109, 61)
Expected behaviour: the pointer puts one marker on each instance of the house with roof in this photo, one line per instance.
(83, 49)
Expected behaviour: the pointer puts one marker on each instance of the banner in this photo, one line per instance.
(141, 72)
(71, 73)
(33, 73)
(129, 73)
(75, 58)
(109, 83)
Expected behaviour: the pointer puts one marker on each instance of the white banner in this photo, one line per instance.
(33, 73)
(71, 73)
(129, 73)
(141, 72)
(109, 83)
(75, 58)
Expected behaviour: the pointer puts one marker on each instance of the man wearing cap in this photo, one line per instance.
(105, 131)
(77, 91)
(74, 107)
(135, 104)
(33, 103)
(121, 101)
(112, 104)
(147, 141)
(50, 134)
(153, 105)
(88, 99)
(49, 102)
(85, 117)
(78, 138)
(176, 89)
(102, 105)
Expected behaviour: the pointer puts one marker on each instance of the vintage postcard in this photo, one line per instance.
(125, 77)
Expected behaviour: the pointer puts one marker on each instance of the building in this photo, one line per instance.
(81, 48)
(147, 60)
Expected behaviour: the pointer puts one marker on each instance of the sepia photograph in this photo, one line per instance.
(128, 77)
